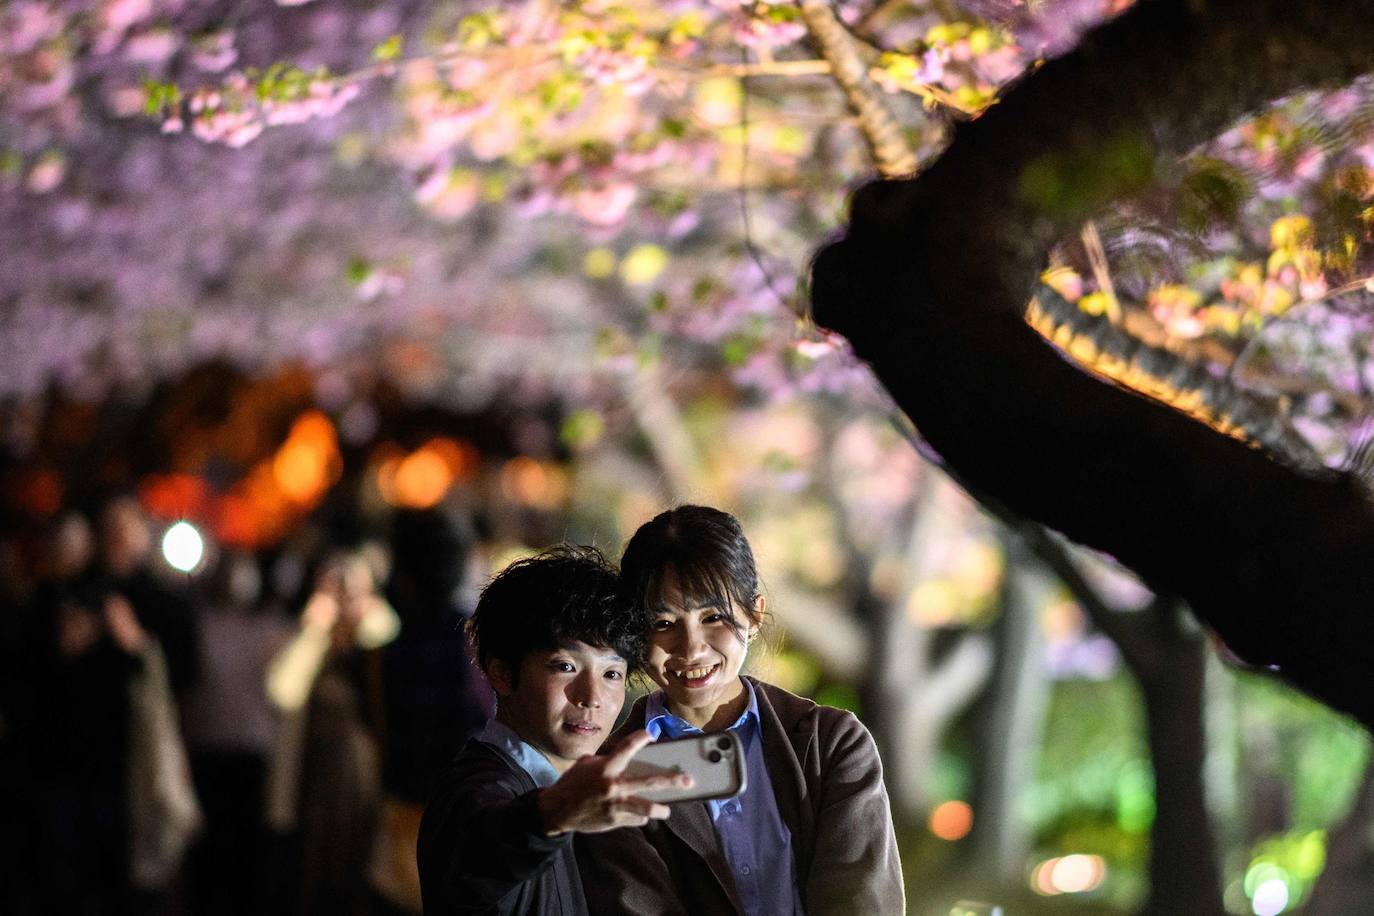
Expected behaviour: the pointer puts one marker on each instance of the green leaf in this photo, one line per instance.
(160, 98)
(582, 428)
(1213, 192)
(389, 49)
(736, 350)
(649, 349)
(841, 696)
(358, 270)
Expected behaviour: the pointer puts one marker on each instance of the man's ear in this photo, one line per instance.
(499, 675)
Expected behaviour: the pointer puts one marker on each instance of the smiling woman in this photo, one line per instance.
(812, 831)
(696, 649)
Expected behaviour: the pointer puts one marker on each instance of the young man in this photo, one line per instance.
(557, 642)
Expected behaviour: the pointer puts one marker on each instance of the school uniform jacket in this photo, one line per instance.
(828, 782)
(482, 846)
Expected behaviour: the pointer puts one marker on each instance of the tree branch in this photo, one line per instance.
(661, 424)
(881, 130)
(956, 680)
(823, 630)
(1116, 352)
(933, 275)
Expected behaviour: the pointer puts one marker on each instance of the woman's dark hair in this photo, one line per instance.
(707, 553)
(568, 593)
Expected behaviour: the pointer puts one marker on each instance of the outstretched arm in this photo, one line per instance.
(481, 839)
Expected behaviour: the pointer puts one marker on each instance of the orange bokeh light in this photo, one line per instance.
(461, 457)
(174, 495)
(300, 471)
(951, 820)
(314, 428)
(308, 461)
(235, 522)
(421, 479)
(532, 483)
(40, 492)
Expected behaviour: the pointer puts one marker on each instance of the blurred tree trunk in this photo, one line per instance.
(1221, 770)
(1184, 873)
(911, 689)
(1167, 655)
(1012, 722)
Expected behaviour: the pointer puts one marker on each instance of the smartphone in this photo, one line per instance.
(715, 763)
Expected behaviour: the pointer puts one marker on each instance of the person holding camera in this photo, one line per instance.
(557, 641)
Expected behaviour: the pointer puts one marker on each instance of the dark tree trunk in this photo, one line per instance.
(1185, 877)
(1168, 657)
(933, 276)
(1012, 723)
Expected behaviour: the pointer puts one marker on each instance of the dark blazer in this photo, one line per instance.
(482, 846)
(828, 782)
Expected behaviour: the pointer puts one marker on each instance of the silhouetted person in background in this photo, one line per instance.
(86, 651)
(434, 698)
(17, 699)
(326, 782)
(126, 554)
(230, 729)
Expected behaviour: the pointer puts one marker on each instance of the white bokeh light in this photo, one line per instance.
(1271, 897)
(183, 547)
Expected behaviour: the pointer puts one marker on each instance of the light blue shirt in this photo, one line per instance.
(756, 843)
(504, 739)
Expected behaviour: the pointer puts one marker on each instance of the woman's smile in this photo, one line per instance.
(696, 650)
(696, 677)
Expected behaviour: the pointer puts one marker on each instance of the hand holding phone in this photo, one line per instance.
(715, 763)
(599, 793)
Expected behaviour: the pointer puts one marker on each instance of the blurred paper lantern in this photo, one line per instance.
(299, 471)
(314, 427)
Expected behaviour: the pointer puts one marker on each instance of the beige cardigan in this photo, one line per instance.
(828, 782)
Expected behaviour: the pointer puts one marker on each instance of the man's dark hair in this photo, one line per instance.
(707, 553)
(564, 594)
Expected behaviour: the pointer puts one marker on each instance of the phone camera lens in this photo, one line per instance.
(723, 744)
(714, 756)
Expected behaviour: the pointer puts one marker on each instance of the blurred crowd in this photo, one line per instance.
(258, 737)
